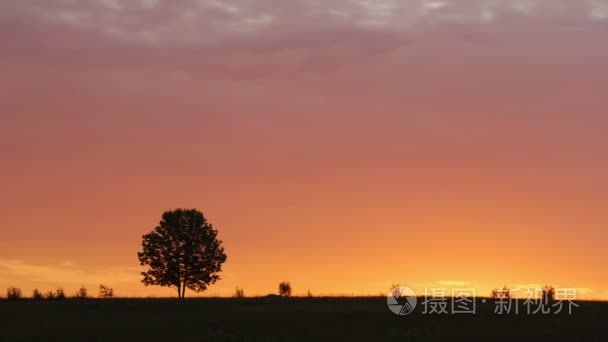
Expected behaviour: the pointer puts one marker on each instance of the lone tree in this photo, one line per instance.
(182, 251)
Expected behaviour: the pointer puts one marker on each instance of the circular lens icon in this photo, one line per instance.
(401, 300)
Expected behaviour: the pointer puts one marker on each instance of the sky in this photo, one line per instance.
(343, 146)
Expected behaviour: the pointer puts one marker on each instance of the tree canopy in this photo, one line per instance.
(182, 251)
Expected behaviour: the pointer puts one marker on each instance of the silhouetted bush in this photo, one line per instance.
(13, 293)
(239, 292)
(505, 293)
(82, 293)
(309, 294)
(548, 294)
(105, 291)
(59, 294)
(36, 294)
(285, 289)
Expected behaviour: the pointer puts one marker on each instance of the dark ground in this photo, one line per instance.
(276, 319)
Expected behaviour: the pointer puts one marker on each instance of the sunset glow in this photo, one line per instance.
(344, 146)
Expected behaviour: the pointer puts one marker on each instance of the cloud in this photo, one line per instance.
(516, 59)
(407, 62)
(124, 29)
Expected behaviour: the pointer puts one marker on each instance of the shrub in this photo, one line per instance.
(548, 294)
(285, 289)
(49, 295)
(309, 294)
(13, 293)
(82, 293)
(239, 292)
(59, 294)
(36, 294)
(105, 291)
(505, 293)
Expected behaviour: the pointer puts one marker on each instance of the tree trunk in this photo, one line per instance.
(184, 282)
(179, 290)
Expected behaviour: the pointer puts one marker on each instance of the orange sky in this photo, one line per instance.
(462, 145)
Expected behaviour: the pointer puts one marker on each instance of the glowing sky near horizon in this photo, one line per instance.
(341, 145)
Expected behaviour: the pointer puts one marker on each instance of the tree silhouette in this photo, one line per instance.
(285, 289)
(105, 291)
(182, 251)
(548, 294)
(82, 293)
(504, 293)
(59, 294)
(239, 293)
(36, 294)
(13, 293)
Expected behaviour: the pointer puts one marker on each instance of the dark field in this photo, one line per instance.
(276, 319)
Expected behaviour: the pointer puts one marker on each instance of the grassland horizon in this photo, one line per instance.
(281, 319)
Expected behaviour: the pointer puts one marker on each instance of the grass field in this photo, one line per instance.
(278, 319)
